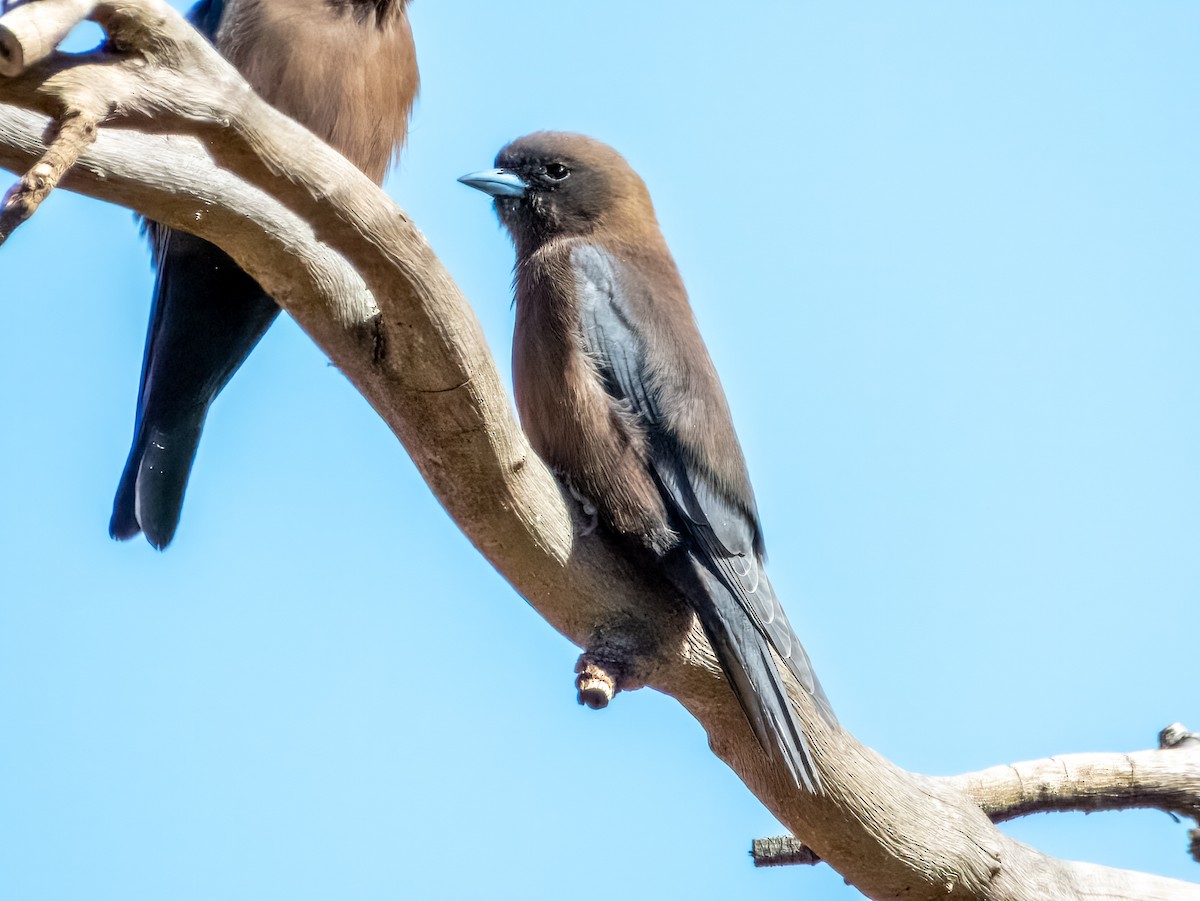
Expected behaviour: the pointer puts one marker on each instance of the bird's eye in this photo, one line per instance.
(557, 171)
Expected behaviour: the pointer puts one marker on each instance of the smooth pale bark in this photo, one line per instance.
(361, 280)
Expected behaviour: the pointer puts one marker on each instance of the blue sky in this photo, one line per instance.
(944, 256)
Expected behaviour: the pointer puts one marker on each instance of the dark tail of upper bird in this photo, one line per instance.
(150, 496)
(744, 652)
(208, 315)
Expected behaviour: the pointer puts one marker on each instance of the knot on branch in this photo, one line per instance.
(1177, 735)
(613, 661)
(596, 683)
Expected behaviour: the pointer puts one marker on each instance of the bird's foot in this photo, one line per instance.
(588, 506)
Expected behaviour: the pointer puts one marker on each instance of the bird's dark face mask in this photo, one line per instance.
(542, 197)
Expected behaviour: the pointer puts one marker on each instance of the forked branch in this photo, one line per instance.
(1166, 779)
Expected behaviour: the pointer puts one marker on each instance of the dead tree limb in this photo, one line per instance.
(1167, 779)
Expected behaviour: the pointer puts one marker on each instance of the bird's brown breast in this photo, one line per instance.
(576, 426)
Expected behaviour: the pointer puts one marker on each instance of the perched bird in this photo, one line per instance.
(347, 70)
(618, 395)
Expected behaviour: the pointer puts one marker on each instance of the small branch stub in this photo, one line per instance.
(30, 32)
(782, 851)
(1177, 735)
(68, 139)
(596, 683)
(613, 661)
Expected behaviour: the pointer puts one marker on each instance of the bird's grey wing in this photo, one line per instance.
(721, 530)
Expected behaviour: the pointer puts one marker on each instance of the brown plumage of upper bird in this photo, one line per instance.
(345, 69)
(618, 395)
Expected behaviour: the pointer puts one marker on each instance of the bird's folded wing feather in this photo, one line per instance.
(719, 530)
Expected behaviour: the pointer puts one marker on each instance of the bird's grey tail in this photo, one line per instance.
(745, 656)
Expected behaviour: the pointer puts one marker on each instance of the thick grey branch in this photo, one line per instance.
(351, 268)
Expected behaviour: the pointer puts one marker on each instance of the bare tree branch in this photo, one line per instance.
(356, 274)
(68, 138)
(1165, 779)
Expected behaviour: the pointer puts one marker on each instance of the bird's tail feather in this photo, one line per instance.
(745, 656)
(150, 495)
(206, 318)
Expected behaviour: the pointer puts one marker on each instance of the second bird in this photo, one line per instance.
(619, 397)
(345, 69)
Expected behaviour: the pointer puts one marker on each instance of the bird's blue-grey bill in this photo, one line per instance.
(497, 182)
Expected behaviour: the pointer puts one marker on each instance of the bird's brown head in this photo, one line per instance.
(552, 184)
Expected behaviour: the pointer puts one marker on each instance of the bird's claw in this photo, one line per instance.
(589, 509)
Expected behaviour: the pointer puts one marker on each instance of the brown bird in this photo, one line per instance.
(619, 397)
(347, 70)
